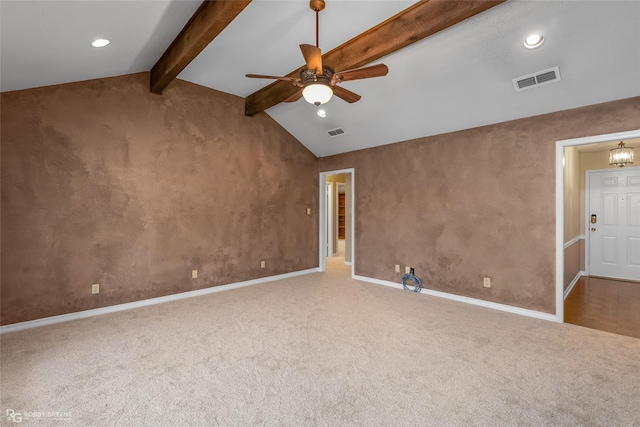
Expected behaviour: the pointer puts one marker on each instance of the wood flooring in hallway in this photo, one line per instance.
(605, 304)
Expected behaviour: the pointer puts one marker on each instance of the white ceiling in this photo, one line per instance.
(49, 42)
(457, 79)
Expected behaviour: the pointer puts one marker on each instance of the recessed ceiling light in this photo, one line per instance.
(322, 113)
(533, 41)
(100, 43)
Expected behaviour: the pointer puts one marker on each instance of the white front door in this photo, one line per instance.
(613, 223)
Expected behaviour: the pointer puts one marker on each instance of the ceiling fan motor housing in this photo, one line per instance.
(308, 77)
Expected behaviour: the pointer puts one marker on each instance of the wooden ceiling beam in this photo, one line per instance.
(207, 22)
(415, 23)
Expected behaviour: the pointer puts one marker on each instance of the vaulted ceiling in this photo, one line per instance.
(457, 78)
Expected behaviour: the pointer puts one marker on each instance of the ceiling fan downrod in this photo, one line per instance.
(317, 6)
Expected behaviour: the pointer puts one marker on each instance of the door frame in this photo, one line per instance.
(560, 145)
(587, 213)
(328, 195)
(322, 223)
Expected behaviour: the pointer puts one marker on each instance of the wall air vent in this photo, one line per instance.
(537, 79)
(336, 132)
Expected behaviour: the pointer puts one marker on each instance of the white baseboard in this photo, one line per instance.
(15, 327)
(348, 263)
(573, 283)
(467, 300)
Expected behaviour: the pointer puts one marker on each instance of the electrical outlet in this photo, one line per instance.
(308, 211)
(263, 264)
(397, 268)
(95, 288)
(487, 282)
(194, 274)
(407, 270)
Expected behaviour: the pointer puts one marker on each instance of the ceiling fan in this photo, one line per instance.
(317, 82)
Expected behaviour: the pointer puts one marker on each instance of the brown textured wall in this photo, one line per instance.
(103, 182)
(477, 202)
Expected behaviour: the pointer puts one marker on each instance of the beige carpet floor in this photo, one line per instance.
(319, 350)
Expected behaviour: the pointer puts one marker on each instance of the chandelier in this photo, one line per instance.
(621, 156)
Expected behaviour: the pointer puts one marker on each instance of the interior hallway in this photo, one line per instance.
(336, 262)
(605, 304)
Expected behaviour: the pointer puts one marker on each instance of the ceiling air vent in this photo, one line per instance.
(537, 79)
(336, 132)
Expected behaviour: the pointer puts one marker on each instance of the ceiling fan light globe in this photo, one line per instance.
(317, 94)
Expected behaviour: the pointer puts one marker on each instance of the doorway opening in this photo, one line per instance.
(336, 221)
(572, 236)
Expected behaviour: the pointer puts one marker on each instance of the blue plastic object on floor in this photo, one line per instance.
(417, 286)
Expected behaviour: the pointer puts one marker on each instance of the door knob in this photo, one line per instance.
(593, 229)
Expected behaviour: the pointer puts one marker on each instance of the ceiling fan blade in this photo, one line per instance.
(345, 94)
(261, 76)
(313, 57)
(361, 73)
(294, 97)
